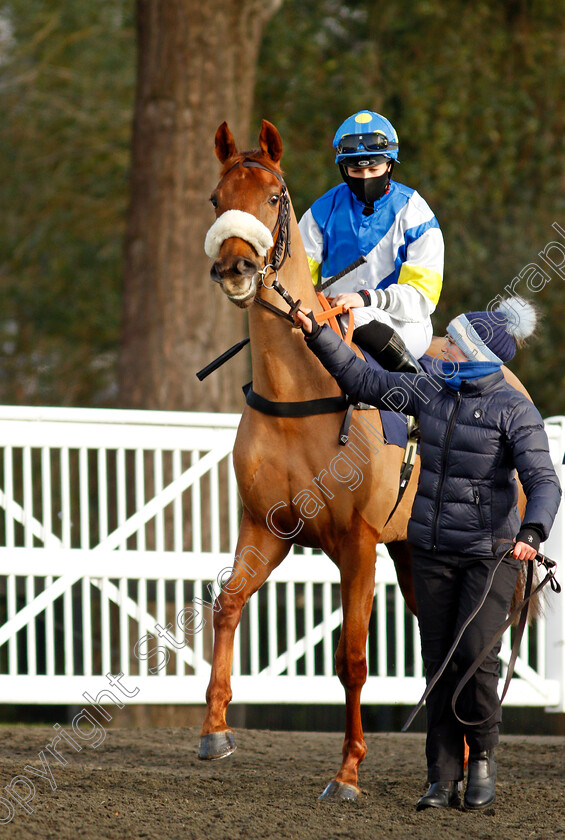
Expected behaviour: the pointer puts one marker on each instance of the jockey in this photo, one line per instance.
(393, 228)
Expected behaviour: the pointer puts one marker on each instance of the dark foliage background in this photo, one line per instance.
(475, 93)
(474, 90)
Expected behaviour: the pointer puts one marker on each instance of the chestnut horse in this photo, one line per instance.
(275, 458)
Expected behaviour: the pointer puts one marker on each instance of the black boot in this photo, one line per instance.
(480, 791)
(440, 795)
(386, 347)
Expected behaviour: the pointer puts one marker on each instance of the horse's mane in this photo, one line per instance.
(253, 154)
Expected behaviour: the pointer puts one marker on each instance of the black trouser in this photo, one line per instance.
(447, 589)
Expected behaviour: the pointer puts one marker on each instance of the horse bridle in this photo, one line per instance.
(280, 251)
(281, 248)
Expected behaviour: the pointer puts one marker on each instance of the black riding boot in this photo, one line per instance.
(386, 346)
(440, 795)
(480, 791)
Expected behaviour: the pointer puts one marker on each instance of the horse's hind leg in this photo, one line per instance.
(258, 552)
(401, 554)
(357, 588)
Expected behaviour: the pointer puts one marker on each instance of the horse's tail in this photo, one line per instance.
(535, 610)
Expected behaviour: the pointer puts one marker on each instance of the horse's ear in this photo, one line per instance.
(270, 141)
(225, 144)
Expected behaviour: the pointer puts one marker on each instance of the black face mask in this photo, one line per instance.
(367, 190)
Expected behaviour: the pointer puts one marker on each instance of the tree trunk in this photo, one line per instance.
(196, 68)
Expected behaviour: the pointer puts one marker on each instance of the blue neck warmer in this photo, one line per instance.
(466, 371)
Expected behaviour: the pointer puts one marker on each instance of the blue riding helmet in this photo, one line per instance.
(363, 137)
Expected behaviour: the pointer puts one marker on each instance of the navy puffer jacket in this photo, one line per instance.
(471, 442)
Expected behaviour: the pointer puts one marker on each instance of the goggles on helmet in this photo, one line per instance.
(375, 142)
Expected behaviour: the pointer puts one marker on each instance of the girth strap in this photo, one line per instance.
(301, 408)
(408, 462)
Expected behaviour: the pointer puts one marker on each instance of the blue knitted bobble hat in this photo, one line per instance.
(492, 336)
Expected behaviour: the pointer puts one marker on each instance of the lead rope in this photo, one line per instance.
(522, 609)
(501, 549)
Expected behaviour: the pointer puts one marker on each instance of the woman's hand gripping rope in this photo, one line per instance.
(523, 551)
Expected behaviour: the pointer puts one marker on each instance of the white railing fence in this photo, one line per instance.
(114, 527)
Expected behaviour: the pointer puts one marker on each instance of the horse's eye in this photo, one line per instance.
(214, 201)
(274, 199)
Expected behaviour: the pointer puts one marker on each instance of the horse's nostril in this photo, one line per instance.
(214, 274)
(244, 266)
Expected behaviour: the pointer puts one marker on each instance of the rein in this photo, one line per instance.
(501, 549)
(323, 405)
(280, 252)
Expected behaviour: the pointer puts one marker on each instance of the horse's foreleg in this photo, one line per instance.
(258, 552)
(357, 587)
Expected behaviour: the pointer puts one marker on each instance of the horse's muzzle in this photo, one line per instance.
(238, 279)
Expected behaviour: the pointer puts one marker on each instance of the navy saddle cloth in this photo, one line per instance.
(395, 424)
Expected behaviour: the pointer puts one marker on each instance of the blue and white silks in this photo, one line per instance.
(401, 241)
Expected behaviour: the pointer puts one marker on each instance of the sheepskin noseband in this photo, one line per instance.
(244, 226)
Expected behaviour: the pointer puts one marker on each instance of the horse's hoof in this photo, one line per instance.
(339, 790)
(216, 745)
